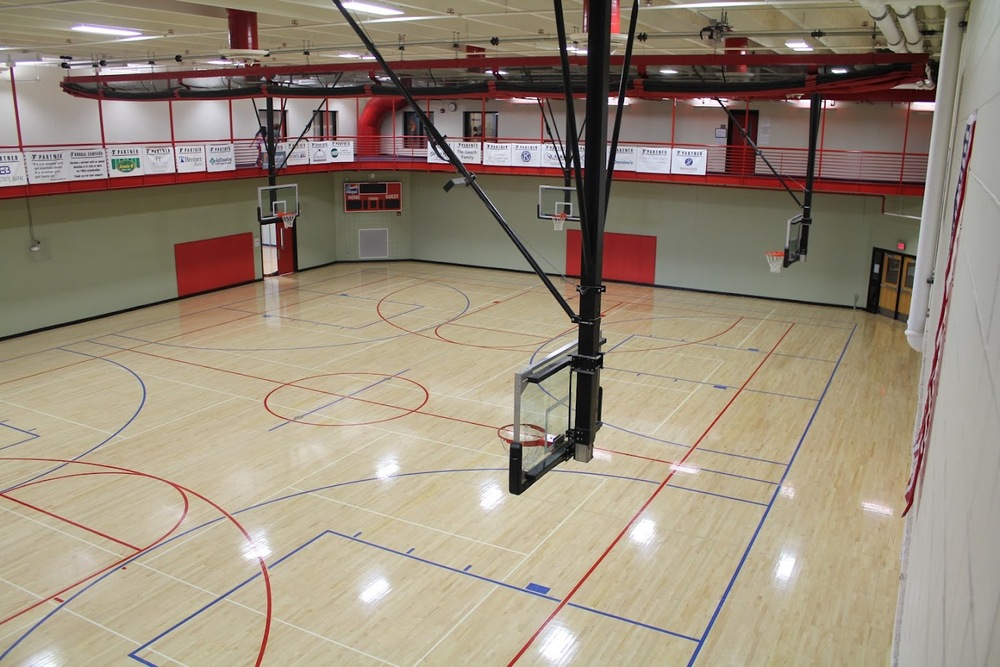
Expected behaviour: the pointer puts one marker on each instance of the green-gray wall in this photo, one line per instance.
(109, 251)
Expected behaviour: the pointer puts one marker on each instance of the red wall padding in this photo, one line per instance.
(627, 257)
(214, 263)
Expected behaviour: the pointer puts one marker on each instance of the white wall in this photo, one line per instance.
(951, 596)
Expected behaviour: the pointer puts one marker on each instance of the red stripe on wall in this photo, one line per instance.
(627, 257)
(213, 263)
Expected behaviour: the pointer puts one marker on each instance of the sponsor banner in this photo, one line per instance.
(299, 156)
(220, 157)
(433, 156)
(342, 151)
(190, 159)
(159, 160)
(87, 163)
(125, 161)
(325, 152)
(553, 156)
(625, 158)
(12, 170)
(496, 154)
(526, 155)
(47, 166)
(469, 152)
(691, 161)
(652, 160)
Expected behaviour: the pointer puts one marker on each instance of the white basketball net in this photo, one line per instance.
(558, 221)
(775, 260)
(287, 218)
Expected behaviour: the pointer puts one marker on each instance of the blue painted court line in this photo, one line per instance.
(804, 358)
(467, 567)
(700, 449)
(537, 588)
(142, 403)
(341, 326)
(770, 504)
(217, 600)
(336, 400)
(701, 382)
(97, 581)
(31, 435)
(410, 551)
(630, 621)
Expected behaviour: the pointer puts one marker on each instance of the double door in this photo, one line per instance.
(896, 286)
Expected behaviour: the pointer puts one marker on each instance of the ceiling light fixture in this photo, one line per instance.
(106, 30)
(838, 70)
(370, 8)
(667, 70)
(798, 45)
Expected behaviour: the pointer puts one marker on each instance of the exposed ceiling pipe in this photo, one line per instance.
(882, 15)
(907, 16)
(931, 216)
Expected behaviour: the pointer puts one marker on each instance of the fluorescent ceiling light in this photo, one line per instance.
(369, 8)
(667, 70)
(349, 55)
(218, 62)
(106, 30)
(921, 106)
(798, 45)
(838, 70)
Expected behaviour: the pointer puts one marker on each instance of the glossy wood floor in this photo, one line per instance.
(306, 472)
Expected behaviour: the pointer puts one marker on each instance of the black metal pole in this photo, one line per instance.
(441, 144)
(589, 359)
(622, 88)
(815, 111)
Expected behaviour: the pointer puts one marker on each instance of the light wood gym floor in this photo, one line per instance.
(306, 471)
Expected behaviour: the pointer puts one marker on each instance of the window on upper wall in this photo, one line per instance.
(325, 124)
(413, 129)
(478, 125)
(280, 123)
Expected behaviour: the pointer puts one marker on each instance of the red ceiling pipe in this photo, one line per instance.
(616, 16)
(242, 29)
(737, 46)
(370, 124)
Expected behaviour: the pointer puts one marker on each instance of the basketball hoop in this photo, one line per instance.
(557, 224)
(530, 436)
(287, 218)
(775, 258)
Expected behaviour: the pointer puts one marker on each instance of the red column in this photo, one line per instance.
(242, 29)
(736, 46)
(616, 16)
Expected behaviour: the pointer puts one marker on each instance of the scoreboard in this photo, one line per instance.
(370, 197)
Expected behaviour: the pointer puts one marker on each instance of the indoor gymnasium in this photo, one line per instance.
(331, 335)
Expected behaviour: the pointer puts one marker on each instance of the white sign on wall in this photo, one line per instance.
(651, 160)
(47, 166)
(221, 157)
(625, 158)
(12, 170)
(526, 155)
(342, 151)
(692, 161)
(125, 161)
(496, 154)
(432, 155)
(553, 156)
(159, 160)
(469, 152)
(190, 159)
(296, 157)
(87, 164)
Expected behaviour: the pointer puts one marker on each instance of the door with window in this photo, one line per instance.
(896, 288)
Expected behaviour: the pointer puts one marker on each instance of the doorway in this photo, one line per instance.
(890, 285)
(277, 249)
(740, 156)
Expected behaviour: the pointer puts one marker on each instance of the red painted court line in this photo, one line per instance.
(645, 505)
(70, 522)
(685, 343)
(55, 596)
(183, 490)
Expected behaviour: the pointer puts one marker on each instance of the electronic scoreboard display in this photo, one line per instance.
(371, 197)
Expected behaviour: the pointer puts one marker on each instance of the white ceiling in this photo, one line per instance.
(197, 29)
